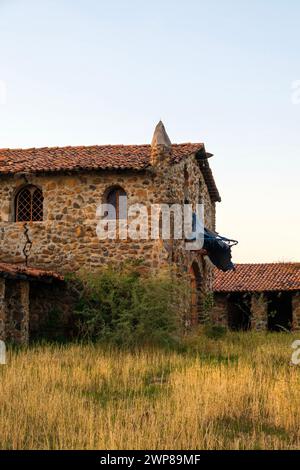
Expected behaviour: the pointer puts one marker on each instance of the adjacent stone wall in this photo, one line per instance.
(296, 311)
(26, 305)
(2, 309)
(259, 312)
(16, 306)
(219, 314)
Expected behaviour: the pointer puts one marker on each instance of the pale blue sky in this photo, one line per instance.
(80, 72)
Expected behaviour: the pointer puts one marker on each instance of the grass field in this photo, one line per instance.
(237, 392)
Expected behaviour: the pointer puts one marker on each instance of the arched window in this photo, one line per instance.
(117, 197)
(29, 205)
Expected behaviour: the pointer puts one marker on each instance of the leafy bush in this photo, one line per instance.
(215, 331)
(127, 308)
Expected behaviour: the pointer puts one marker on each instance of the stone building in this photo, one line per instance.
(48, 217)
(258, 296)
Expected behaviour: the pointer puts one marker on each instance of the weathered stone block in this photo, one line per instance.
(259, 312)
(296, 311)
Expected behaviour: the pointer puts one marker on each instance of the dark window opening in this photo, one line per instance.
(239, 311)
(29, 205)
(117, 197)
(280, 313)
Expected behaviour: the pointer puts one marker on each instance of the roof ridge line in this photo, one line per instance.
(55, 147)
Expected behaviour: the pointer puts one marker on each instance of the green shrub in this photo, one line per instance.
(215, 331)
(126, 308)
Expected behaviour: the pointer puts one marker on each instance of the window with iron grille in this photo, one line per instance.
(29, 205)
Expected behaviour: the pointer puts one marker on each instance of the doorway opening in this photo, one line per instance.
(239, 311)
(280, 312)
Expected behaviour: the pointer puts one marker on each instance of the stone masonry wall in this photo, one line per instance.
(2, 309)
(296, 311)
(25, 307)
(182, 183)
(66, 240)
(220, 310)
(259, 312)
(16, 311)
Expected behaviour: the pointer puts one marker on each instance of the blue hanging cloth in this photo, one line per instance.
(218, 248)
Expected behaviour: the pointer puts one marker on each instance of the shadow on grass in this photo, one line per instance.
(231, 427)
(107, 392)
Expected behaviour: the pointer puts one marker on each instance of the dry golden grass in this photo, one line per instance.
(238, 392)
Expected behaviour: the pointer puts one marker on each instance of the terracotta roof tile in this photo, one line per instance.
(103, 157)
(259, 278)
(17, 271)
(84, 158)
